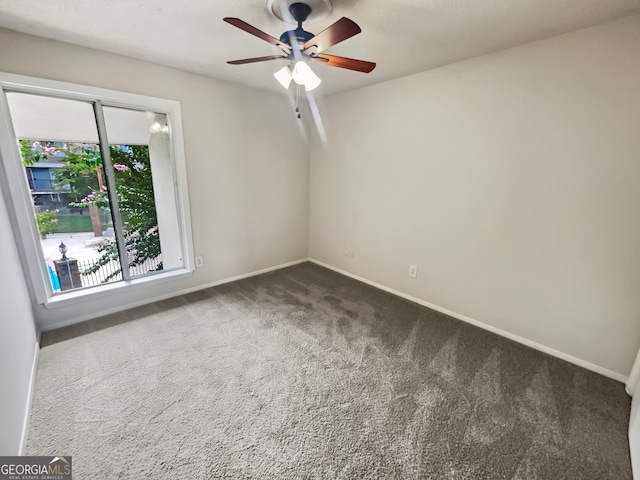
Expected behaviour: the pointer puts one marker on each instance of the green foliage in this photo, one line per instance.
(33, 152)
(46, 221)
(134, 188)
(80, 175)
(81, 164)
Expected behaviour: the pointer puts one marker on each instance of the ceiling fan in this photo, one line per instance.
(300, 47)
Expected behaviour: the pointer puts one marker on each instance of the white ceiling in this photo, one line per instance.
(401, 36)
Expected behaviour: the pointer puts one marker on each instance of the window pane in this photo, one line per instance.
(136, 203)
(140, 154)
(52, 119)
(56, 141)
(63, 167)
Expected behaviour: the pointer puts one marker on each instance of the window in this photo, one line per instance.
(97, 183)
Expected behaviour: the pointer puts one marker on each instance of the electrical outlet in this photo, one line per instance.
(199, 261)
(413, 271)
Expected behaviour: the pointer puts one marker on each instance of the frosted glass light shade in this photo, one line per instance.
(284, 76)
(303, 75)
(312, 82)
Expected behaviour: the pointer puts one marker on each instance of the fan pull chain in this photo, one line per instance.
(298, 101)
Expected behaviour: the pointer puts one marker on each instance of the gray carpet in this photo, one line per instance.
(305, 374)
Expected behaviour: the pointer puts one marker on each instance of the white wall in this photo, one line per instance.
(18, 343)
(511, 180)
(247, 164)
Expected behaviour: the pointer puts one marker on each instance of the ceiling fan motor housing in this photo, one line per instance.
(301, 37)
(299, 11)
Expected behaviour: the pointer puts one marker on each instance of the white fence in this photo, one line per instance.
(99, 277)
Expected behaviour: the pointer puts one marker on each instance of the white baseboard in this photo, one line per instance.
(32, 387)
(71, 321)
(503, 333)
(634, 377)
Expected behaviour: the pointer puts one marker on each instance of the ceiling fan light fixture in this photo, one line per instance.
(303, 75)
(159, 124)
(312, 83)
(300, 47)
(284, 76)
(155, 127)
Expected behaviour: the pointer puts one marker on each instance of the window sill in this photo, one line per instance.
(85, 295)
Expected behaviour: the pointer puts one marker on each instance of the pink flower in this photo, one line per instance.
(120, 167)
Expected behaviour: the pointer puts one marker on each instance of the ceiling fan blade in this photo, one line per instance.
(242, 25)
(342, 62)
(336, 33)
(257, 59)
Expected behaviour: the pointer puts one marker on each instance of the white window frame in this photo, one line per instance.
(18, 196)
